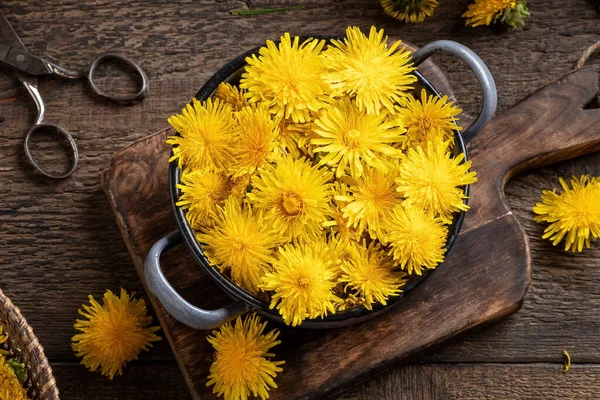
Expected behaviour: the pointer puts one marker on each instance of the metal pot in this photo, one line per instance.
(244, 301)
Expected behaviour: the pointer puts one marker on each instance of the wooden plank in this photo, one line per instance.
(481, 382)
(141, 380)
(62, 244)
(409, 382)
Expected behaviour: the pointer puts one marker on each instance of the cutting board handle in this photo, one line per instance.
(553, 124)
(481, 71)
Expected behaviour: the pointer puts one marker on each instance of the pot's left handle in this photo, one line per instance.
(173, 302)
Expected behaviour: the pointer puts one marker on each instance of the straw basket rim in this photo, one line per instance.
(23, 343)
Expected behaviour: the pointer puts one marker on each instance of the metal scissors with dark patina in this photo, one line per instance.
(28, 68)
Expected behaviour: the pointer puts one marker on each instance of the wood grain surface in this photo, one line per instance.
(60, 241)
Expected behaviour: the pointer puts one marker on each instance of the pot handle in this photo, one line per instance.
(481, 71)
(173, 302)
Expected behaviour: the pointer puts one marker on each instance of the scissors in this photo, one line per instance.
(28, 68)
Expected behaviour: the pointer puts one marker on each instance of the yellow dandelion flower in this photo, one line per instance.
(113, 333)
(353, 139)
(365, 67)
(409, 11)
(232, 95)
(207, 131)
(242, 364)
(371, 274)
(430, 119)
(372, 199)
(289, 135)
(240, 242)
(484, 12)
(288, 78)
(3, 339)
(255, 143)
(573, 215)
(432, 180)
(202, 192)
(10, 387)
(339, 225)
(295, 197)
(416, 239)
(302, 281)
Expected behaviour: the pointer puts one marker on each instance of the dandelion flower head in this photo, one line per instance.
(409, 11)
(433, 180)
(302, 281)
(365, 67)
(242, 363)
(113, 333)
(288, 78)
(573, 215)
(241, 243)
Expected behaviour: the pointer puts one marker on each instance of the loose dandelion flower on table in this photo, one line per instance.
(432, 180)
(302, 281)
(484, 12)
(288, 78)
(350, 139)
(242, 364)
(241, 243)
(409, 11)
(428, 119)
(364, 67)
(573, 215)
(113, 333)
(415, 238)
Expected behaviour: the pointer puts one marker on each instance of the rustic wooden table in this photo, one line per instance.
(59, 241)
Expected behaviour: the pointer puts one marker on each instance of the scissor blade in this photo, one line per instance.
(8, 34)
(22, 61)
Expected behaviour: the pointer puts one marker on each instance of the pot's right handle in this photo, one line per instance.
(173, 302)
(481, 71)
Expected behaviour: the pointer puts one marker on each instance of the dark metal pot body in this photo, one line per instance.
(243, 300)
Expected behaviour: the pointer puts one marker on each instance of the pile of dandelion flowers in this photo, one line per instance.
(295, 196)
(202, 192)
(372, 199)
(242, 243)
(206, 135)
(371, 274)
(113, 333)
(409, 11)
(364, 67)
(429, 119)
(352, 139)
(255, 143)
(242, 364)
(10, 387)
(416, 239)
(433, 180)
(288, 78)
(573, 215)
(303, 280)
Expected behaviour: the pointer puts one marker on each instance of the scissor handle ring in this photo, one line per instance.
(65, 134)
(125, 100)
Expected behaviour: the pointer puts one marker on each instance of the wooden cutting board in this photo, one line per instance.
(483, 279)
